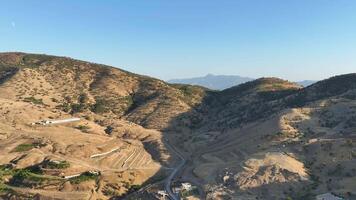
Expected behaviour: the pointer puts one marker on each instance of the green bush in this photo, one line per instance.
(33, 100)
(134, 188)
(86, 176)
(5, 189)
(101, 106)
(28, 146)
(83, 128)
(75, 108)
(24, 177)
(24, 147)
(57, 165)
(5, 170)
(83, 98)
(66, 107)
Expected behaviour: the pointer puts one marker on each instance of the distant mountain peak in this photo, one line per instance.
(215, 82)
(221, 82)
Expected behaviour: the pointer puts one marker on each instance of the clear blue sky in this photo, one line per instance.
(291, 39)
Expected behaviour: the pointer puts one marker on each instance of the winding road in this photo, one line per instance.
(168, 182)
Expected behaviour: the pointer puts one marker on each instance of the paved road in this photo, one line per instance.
(168, 182)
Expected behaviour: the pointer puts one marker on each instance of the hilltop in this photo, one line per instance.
(264, 139)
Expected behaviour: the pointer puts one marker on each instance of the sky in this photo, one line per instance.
(290, 39)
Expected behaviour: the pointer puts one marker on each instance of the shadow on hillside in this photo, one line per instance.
(175, 134)
(207, 115)
(203, 117)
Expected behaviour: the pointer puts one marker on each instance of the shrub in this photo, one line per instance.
(24, 147)
(101, 106)
(83, 98)
(5, 170)
(5, 189)
(86, 176)
(57, 165)
(27, 146)
(54, 100)
(75, 108)
(33, 100)
(134, 188)
(64, 107)
(26, 178)
(83, 128)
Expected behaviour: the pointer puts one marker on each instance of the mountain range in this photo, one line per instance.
(221, 82)
(139, 137)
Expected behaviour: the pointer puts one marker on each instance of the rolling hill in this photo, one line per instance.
(264, 139)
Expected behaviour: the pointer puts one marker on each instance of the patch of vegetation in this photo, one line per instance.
(5, 170)
(57, 164)
(66, 107)
(27, 178)
(36, 169)
(54, 100)
(24, 147)
(100, 106)
(4, 189)
(133, 188)
(28, 146)
(33, 100)
(78, 107)
(83, 128)
(86, 176)
(83, 98)
(110, 192)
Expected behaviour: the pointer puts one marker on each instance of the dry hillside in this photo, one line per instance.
(265, 139)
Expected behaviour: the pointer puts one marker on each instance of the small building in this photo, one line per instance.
(162, 193)
(186, 186)
(328, 196)
(93, 172)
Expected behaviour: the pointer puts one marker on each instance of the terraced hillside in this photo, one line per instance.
(118, 134)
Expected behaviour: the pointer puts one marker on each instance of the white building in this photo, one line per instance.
(162, 193)
(186, 186)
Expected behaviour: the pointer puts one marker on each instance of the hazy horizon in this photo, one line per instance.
(293, 40)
